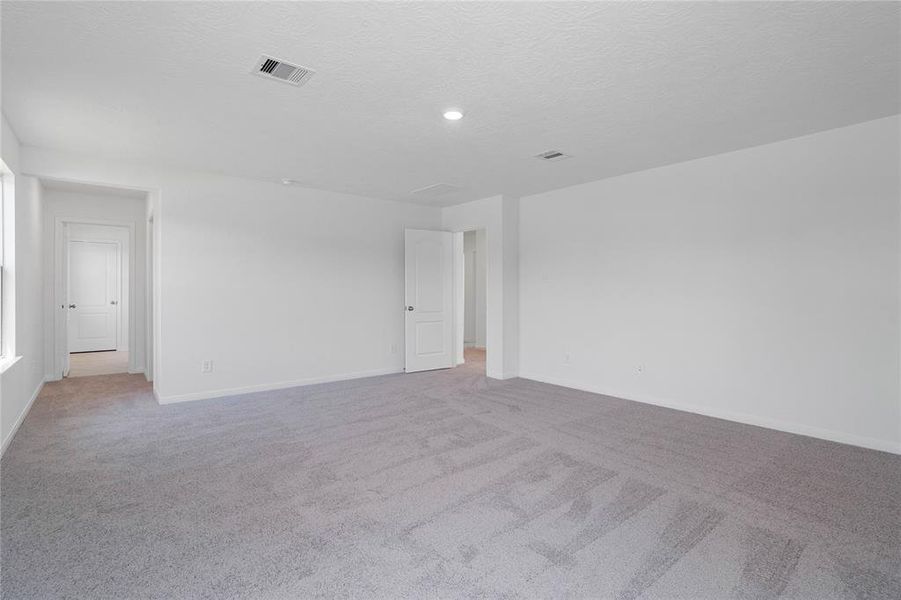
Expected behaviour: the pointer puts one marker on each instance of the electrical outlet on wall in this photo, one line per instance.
(567, 358)
(639, 369)
(206, 366)
(393, 348)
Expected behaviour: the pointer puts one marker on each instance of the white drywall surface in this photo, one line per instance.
(760, 285)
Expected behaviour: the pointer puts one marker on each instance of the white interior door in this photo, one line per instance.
(429, 303)
(93, 296)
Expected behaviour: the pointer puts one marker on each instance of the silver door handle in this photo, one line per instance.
(71, 306)
(114, 302)
(409, 308)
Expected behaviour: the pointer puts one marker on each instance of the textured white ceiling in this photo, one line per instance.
(620, 86)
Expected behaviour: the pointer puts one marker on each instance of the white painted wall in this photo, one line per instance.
(510, 266)
(95, 207)
(21, 382)
(475, 307)
(459, 298)
(760, 285)
(278, 286)
(469, 292)
(149, 309)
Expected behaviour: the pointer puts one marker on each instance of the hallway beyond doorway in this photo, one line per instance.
(475, 358)
(83, 364)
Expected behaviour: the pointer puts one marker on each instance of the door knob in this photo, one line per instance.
(409, 308)
(114, 302)
(71, 306)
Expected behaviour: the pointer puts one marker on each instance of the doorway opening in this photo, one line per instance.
(96, 291)
(446, 300)
(96, 311)
(474, 299)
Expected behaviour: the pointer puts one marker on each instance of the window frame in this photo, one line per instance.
(7, 259)
(3, 307)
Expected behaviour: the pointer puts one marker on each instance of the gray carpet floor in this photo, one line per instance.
(432, 485)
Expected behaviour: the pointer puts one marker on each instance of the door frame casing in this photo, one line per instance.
(459, 288)
(59, 293)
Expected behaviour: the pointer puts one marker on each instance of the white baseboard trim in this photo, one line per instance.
(21, 418)
(739, 417)
(136, 368)
(265, 387)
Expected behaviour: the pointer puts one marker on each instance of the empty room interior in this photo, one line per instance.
(450, 300)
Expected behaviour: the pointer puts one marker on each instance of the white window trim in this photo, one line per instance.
(3, 344)
(7, 260)
(7, 361)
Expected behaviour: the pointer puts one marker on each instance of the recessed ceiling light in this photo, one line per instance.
(453, 115)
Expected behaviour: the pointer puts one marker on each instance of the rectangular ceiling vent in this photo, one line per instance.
(436, 189)
(273, 68)
(553, 155)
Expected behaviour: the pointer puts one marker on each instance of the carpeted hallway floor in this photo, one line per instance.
(432, 485)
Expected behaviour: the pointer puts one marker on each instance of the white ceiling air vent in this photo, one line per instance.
(436, 189)
(553, 155)
(273, 68)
